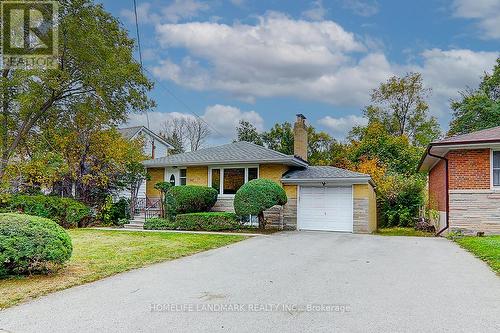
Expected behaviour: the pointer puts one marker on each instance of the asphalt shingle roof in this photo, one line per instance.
(490, 134)
(323, 172)
(237, 152)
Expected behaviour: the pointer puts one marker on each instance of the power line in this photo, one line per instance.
(139, 48)
(185, 105)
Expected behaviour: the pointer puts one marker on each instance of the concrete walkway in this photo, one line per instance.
(359, 283)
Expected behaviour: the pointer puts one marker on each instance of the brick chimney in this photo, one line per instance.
(300, 137)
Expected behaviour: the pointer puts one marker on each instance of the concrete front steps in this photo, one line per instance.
(136, 223)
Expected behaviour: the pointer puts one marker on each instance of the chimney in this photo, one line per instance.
(300, 137)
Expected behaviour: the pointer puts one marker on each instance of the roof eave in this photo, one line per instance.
(291, 162)
(348, 180)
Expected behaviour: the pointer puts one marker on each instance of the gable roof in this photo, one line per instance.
(478, 139)
(130, 133)
(232, 153)
(323, 174)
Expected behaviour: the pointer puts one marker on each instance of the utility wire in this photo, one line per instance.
(145, 70)
(139, 48)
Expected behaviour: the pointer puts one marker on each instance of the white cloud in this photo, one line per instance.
(225, 119)
(278, 56)
(317, 11)
(340, 127)
(362, 8)
(174, 12)
(222, 120)
(486, 12)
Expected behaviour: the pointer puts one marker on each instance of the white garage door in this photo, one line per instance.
(325, 208)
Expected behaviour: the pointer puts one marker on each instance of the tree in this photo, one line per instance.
(279, 138)
(172, 130)
(197, 132)
(248, 132)
(258, 195)
(183, 132)
(95, 63)
(478, 109)
(400, 105)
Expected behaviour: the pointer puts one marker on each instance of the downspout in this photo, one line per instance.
(447, 191)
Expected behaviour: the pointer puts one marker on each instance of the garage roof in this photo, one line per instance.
(324, 174)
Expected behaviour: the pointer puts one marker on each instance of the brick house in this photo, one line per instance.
(464, 181)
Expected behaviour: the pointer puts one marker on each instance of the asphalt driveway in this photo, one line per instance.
(357, 283)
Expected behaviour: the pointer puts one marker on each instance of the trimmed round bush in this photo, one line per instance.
(31, 244)
(193, 199)
(258, 195)
(159, 224)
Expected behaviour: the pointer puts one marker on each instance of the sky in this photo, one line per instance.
(265, 61)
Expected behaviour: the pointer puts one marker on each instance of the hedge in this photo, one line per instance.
(208, 221)
(193, 199)
(67, 212)
(31, 244)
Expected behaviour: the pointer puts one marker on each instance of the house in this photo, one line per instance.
(464, 181)
(319, 197)
(154, 147)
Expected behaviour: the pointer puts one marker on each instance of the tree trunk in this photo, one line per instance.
(262, 222)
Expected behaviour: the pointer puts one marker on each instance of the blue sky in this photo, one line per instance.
(265, 61)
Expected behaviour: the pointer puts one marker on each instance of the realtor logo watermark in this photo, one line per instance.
(29, 34)
(239, 307)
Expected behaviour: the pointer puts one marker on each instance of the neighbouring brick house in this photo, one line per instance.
(319, 197)
(472, 163)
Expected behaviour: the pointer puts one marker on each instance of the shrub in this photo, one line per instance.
(207, 221)
(159, 224)
(193, 199)
(168, 199)
(67, 212)
(211, 221)
(111, 213)
(31, 244)
(258, 195)
(400, 199)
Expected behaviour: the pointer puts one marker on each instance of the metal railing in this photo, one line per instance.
(153, 208)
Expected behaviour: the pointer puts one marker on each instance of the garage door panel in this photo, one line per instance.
(325, 208)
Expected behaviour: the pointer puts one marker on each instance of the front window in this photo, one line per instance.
(228, 180)
(182, 176)
(233, 180)
(496, 168)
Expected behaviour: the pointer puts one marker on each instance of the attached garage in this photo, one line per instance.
(332, 199)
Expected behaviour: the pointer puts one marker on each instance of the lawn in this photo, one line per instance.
(399, 231)
(486, 248)
(99, 253)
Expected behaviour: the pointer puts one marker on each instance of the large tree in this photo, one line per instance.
(186, 131)
(478, 109)
(95, 64)
(400, 104)
(248, 132)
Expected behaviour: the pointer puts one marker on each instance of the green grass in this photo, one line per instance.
(486, 248)
(101, 253)
(399, 231)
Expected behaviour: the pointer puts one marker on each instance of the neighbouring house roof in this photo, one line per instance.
(324, 174)
(233, 153)
(480, 139)
(130, 133)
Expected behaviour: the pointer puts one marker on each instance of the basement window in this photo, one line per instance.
(496, 168)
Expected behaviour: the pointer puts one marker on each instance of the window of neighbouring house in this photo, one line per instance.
(182, 176)
(233, 179)
(216, 179)
(496, 168)
(172, 180)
